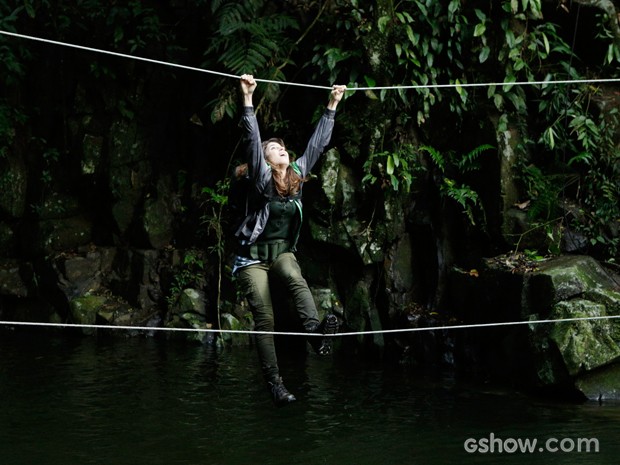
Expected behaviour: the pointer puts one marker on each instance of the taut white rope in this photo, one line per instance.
(284, 333)
(288, 83)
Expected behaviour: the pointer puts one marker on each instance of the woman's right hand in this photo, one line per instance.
(248, 84)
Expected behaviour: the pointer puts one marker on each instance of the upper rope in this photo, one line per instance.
(457, 85)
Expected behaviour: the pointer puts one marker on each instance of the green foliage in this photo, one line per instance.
(605, 32)
(214, 217)
(395, 172)
(249, 38)
(455, 189)
(394, 169)
(215, 202)
(190, 274)
(10, 120)
(544, 192)
(428, 42)
(582, 141)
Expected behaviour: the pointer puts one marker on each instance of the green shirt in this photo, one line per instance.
(281, 215)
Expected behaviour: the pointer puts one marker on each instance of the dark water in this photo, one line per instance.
(143, 401)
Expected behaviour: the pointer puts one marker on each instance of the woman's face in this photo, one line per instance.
(276, 154)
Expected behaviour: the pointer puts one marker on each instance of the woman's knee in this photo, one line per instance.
(263, 320)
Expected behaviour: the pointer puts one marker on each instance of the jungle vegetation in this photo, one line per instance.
(430, 142)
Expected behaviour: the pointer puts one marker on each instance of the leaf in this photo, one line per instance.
(484, 54)
(370, 82)
(453, 7)
(508, 82)
(395, 182)
(498, 100)
(382, 23)
(546, 42)
(458, 87)
(370, 94)
(410, 35)
(390, 165)
(29, 9)
(479, 29)
(399, 50)
(491, 91)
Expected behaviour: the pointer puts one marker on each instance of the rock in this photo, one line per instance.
(84, 311)
(58, 205)
(16, 277)
(574, 275)
(192, 301)
(79, 275)
(92, 147)
(600, 385)
(13, 187)
(584, 345)
(109, 311)
(8, 240)
(572, 287)
(189, 312)
(158, 222)
(59, 235)
(330, 168)
(230, 322)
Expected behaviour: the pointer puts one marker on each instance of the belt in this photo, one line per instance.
(265, 251)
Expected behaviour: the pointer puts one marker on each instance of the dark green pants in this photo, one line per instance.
(254, 282)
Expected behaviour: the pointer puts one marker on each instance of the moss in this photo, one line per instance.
(585, 345)
(84, 309)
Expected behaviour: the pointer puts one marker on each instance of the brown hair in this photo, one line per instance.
(277, 140)
(288, 185)
(285, 186)
(291, 182)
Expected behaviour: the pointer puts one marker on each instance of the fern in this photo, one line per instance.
(249, 40)
(461, 193)
(470, 161)
(436, 156)
(465, 196)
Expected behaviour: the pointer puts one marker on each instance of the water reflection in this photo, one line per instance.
(89, 401)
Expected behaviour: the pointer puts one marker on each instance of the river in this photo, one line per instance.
(148, 401)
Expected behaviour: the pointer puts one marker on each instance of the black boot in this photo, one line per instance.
(279, 393)
(323, 345)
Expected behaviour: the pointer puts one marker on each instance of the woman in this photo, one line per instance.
(269, 232)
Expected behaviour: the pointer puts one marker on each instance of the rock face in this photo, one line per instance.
(573, 288)
(565, 355)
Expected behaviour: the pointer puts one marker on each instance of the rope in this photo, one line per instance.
(284, 333)
(288, 83)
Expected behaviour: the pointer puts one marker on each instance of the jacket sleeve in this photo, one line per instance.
(319, 140)
(257, 167)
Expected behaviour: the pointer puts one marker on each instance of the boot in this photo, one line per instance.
(323, 345)
(279, 393)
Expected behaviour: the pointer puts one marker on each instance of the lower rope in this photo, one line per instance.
(284, 333)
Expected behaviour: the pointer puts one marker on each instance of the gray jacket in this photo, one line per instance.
(260, 172)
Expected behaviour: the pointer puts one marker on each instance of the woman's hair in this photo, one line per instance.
(291, 182)
(288, 185)
(277, 140)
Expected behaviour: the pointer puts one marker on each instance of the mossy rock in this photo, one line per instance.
(84, 310)
(588, 344)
